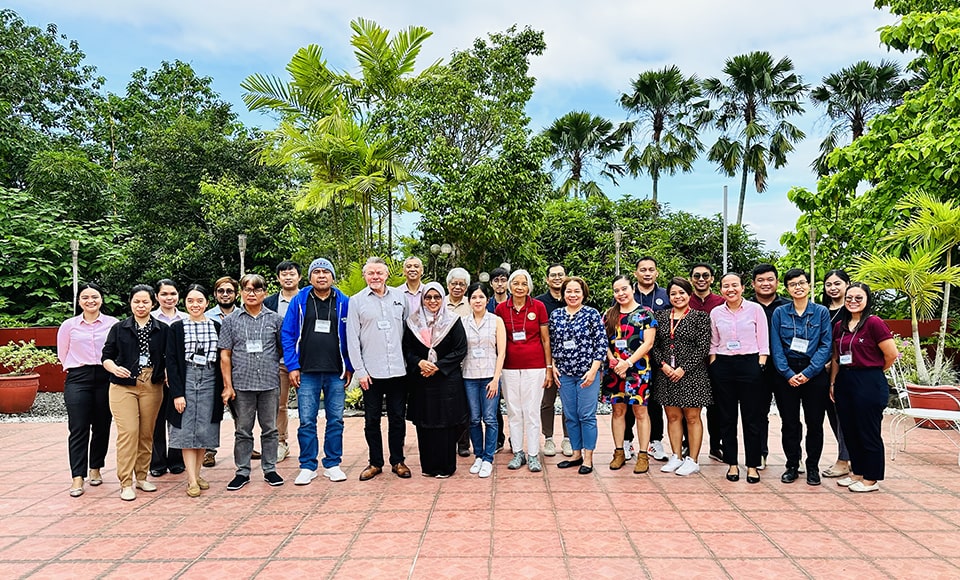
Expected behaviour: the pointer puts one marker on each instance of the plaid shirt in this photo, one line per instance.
(253, 371)
(199, 338)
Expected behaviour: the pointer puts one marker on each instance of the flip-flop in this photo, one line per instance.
(835, 472)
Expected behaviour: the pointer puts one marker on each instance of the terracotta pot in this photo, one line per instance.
(933, 398)
(17, 393)
(52, 377)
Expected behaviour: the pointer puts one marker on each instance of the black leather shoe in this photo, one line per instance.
(790, 475)
(585, 469)
(177, 469)
(753, 478)
(734, 476)
(571, 463)
(157, 472)
(813, 477)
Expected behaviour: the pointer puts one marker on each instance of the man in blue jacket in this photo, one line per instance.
(315, 354)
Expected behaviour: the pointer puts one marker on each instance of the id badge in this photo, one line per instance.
(519, 336)
(846, 359)
(478, 353)
(254, 346)
(199, 359)
(620, 343)
(569, 344)
(383, 324)
(799, 344)
(733, 345)
(322, 326)
(144, 359)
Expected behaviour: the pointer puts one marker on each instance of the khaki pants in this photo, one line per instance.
(135, 410)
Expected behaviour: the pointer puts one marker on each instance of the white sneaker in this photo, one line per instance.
(305, 477)
(689, 467)
(566, 448)
(486, 469)
(283, 451)
(475, 468)
(627, 449)
(335, 473)
(549, 448)
(656, 451)
(672, 464)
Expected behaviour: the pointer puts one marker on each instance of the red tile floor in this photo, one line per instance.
(610, 524)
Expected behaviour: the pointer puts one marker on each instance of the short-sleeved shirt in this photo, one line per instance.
(550, 302)
(253, 371)
(706, 304)
(525, 352)
(864, 344)
(577, 341)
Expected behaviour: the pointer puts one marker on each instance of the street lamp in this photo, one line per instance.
(75, 250)
(242, 244)
(617, 238)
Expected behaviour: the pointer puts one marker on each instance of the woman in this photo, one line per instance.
(863, 348)
(680, 350)
(134, 354)
(434, 344)
(739, 346)
(482, 367)
(86, 391)
(834, 287)
(631, 330)
(164, 459)
(800, 347)
(578, 343)
(196, 386)
(525, 367)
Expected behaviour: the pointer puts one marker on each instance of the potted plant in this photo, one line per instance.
(18, 387)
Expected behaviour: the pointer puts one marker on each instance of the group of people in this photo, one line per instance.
(445, 360)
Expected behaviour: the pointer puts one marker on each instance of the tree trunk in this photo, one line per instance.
(656, 178)
(923, 374)
(743, 192)
(941, 340)
(390, 223)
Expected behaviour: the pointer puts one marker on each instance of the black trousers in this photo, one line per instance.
(395, 392)
(163, 458)
(86, 394)
(438, 450)
(769, 379)
(861, 396)
(813, 396)
(713, 426)
(736, 389)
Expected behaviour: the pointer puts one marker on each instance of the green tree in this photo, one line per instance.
(579, 142)
(669, 109)
(756, 97)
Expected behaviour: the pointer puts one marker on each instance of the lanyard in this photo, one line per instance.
(523, 318)
(316, 311)
(843, 333)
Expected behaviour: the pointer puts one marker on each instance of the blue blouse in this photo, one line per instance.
(577, 341)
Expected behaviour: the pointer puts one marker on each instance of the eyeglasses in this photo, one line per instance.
(701, 275)
(432, 298)
(556, 275)
(798, 284)
(458, 284)
(225, 291)
(858, 299)
(252, 291)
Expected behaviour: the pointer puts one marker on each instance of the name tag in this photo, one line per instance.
(144, 359)
(846, 359)
(383, 324)
(799, 344)
(620, 343)
(479, 353)
(322, 326)
(519, 336)
(254, 346)
(733, 345)
(569, 344)
(199, 359)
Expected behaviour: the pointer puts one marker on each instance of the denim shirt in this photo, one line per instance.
(813, 325)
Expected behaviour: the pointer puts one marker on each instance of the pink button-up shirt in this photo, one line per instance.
(80, 343)
(746, 325)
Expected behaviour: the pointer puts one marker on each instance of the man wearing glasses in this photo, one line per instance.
(457, 281)
(701, 277)
(225, 294)
(553, 299)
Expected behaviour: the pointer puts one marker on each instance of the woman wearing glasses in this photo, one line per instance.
(863, 348)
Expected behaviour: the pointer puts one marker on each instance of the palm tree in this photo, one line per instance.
(580, 140)
(756, 98)
(669, 108)
(851, 97)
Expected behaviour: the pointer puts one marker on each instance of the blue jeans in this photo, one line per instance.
(580, 410)
(483, 411)
(308, 402)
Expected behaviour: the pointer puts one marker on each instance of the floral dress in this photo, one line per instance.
(634, 389)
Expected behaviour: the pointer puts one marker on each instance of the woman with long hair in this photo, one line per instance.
(835, 284)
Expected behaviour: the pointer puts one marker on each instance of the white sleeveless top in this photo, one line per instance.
(481, 359)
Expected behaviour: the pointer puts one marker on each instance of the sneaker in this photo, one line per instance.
(475, 468)
(656, 451)
(335, 473)
(486, 469)
(672, 464)
(533, 462)
(305, 477)
(283, 451)
(566, 448)
(518, 461)
(238, 482)
(273, 478)
(689, 467)
(627, 449)
(643, 463)
(549, 448)
(128, 494)
(860, 487)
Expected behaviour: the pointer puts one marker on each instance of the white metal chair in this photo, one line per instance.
(907, 418)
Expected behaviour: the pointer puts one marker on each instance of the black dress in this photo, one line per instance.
(690, 348)
(437, 404)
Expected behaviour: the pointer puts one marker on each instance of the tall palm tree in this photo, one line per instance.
(851, 97)
(756, 97)
(669, 109)
(579, 141)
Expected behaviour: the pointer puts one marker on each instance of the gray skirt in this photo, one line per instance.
(196, 431)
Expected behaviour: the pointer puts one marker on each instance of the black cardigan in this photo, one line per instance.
(123, 349)
(177, 373)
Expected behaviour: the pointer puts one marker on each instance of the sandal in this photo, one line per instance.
(835, 472)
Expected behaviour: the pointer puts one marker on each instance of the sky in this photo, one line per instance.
(593, 52)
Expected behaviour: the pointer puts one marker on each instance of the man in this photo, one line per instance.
(498, 281)
(457, 281)
(375, 321)
(225, 294)
(412, 288)
(315, 353)
(553, 299)
(250, 362)
(288, 275)
(765, 284)
(701, 277)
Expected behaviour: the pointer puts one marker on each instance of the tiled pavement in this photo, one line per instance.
(553, 524)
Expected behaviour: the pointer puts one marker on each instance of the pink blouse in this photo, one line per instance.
(741, 331)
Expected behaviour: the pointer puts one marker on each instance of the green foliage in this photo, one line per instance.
(70, 180)
(25, 357)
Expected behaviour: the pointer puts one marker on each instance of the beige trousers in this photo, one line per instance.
(135, 411)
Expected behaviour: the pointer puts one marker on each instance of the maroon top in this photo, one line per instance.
(705, 305)
(864, 344)
(526, 353)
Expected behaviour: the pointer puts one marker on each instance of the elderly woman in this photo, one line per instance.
(579, 346)
(86, 391)
(196, 386)
(525, 367)
(434, 345)
(134, 353)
